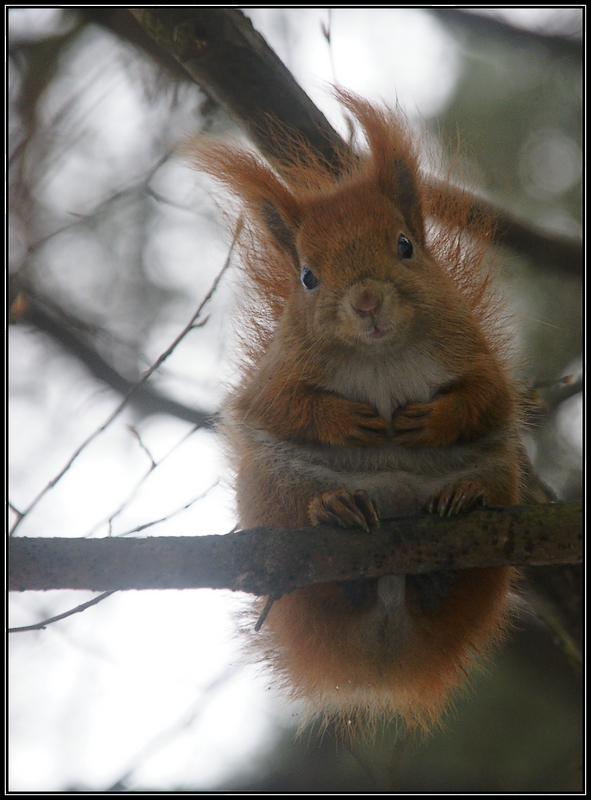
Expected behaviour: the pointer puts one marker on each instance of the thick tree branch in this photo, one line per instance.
(276, 561)
(221, 51)
(226, 56)
(560, 253)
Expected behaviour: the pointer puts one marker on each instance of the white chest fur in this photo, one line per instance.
(387, 380)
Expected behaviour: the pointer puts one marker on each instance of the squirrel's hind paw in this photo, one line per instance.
(462, 496)
(344, 508)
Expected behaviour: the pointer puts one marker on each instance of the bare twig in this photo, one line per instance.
(38, 626)
(133, 492)
(66, 329)
(166, 517)
(153, 464)
(135, 188)
(556, 594)
(264, 613)
(147, 374)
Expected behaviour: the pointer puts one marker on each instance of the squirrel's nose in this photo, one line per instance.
(368, 304)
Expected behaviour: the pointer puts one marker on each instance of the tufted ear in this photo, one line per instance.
(393, 158)
(401, 188)
(283, 234)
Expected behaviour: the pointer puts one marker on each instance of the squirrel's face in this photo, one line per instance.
(359, 273)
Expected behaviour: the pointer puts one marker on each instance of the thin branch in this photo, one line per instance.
(153, 463)
(556, 594)
(109, 520)
(165, 518)
(134, 188)
(66, 332)
(273, 561)
(147, 374)
(65, 328)
(39, 626)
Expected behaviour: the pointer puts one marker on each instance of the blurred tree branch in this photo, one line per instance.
(484, 25)
(68, 332)
(221, 51)
(550, 251)
(556, 594)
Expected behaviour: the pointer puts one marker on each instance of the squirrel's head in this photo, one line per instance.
(343, 257)
(357, 258)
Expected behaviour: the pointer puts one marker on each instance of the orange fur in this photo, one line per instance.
(376, 382)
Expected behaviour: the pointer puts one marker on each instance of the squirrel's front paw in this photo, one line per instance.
(423, 425)
(356, 424)
(344, 508)
(461, 496)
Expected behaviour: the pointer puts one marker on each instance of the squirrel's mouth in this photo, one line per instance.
(375, 333)
(378, 333)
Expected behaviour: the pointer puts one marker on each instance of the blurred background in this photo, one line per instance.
(114, 243)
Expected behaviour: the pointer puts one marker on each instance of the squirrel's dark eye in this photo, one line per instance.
(309, 280)
(404, 247)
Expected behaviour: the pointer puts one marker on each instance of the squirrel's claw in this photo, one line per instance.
(344, 508)
(458, 497)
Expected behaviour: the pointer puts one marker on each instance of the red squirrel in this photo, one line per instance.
(376, 385)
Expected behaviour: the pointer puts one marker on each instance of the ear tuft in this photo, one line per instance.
(407, 199)
(393, 158)
(280, 230)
